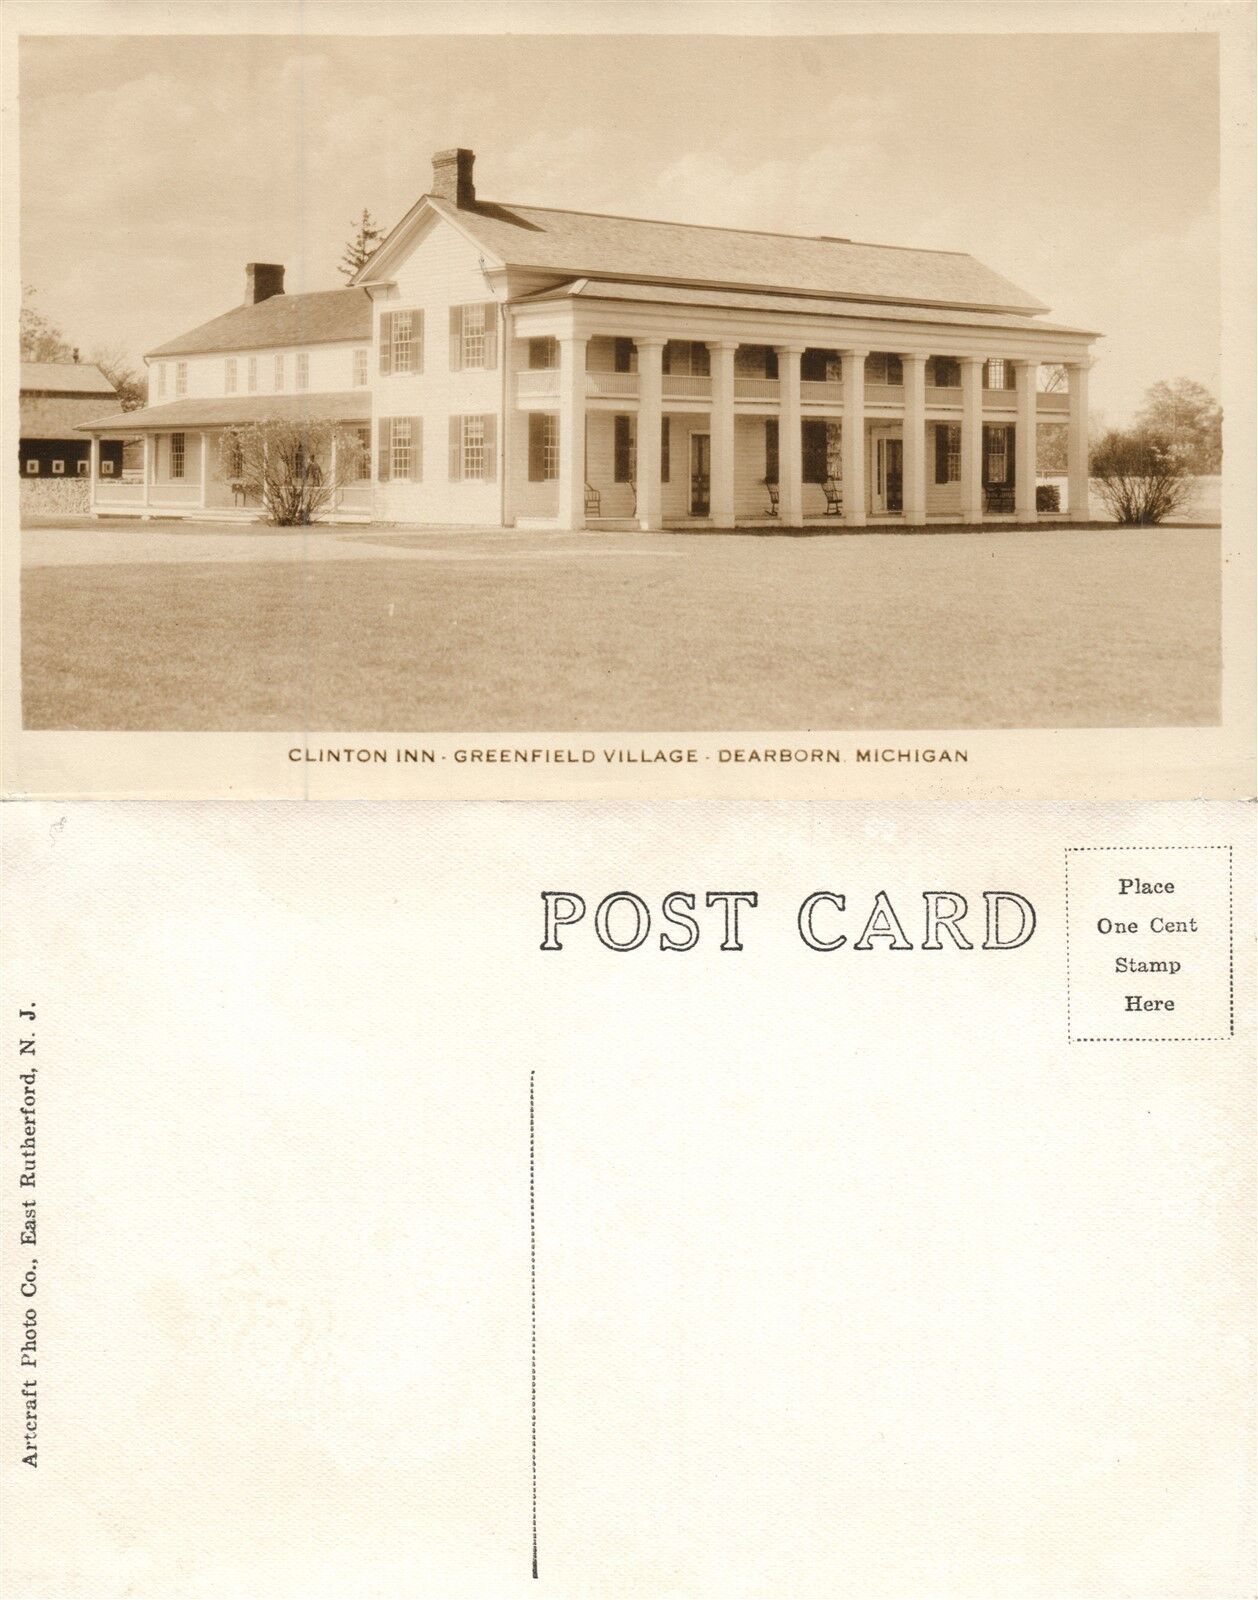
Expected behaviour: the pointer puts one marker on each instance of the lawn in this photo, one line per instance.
(1042, 628)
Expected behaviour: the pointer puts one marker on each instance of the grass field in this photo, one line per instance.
(447, 631)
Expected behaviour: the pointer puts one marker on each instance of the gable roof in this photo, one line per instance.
(326, 316)
(64, 377)
(57, 416)
(587, 244)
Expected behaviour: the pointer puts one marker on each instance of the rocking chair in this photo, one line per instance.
(834, 497)
(773, 497)
(593, 501)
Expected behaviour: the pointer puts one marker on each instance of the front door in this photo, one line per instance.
(700, 474)
(888, 474)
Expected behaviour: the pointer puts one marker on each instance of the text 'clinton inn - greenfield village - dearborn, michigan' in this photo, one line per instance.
(513, 365)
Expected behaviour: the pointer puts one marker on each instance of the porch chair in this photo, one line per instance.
(773, 497)
(593, 501)
(834, 497)
(998, 497)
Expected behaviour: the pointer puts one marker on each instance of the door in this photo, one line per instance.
(700, 474)
(889, 474)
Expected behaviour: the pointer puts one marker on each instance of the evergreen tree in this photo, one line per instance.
(362, 246)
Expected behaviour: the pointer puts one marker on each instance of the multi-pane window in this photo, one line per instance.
(229, 375)
(473, 444)
(474, 335)
(943, 372)
(996, 374)
(303, 370)
(181, 377)
(364, 450)
(253, 374)
(401, 447)
(821, 449)
(997, 442)
(360, 369)
(687, 356)
(279, 373)
(544, 355)
(882, 366)
(625, 449)
(820, 366)
(947, 453)
(161, 378)
(177, 443)
(401, 341)
(543, 446)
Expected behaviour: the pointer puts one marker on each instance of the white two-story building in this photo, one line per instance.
(511, 365)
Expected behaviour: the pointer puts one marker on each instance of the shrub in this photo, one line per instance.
(1140, 475)
(1047, 497)
(288, 466)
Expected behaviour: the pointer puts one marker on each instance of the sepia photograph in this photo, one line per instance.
(437, 383)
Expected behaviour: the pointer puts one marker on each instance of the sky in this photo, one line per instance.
(1084, 168)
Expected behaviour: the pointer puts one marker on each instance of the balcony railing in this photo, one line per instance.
(1000, 399)
(540, 381)
(942, 395)
(1057, 400)
(828, 389)
(687, 385)
(756, 388)
(884, 394)
(613, 385)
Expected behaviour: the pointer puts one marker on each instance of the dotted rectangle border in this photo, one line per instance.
(1209, 1038)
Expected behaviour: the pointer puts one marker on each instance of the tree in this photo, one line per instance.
(293, 469)
(362, 245)
(41, 339)
(1189, 415)
(116, 364)
(1140, 474)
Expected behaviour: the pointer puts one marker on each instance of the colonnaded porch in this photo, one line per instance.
(724, 433)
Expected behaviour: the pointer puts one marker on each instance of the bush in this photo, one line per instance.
(1047, 497)
(289, 466)
(1140, 475)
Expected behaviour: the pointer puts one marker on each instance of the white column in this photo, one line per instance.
(1077, 440)
(914, 438)
(854, 437)
(93, 468)
(650, 432)
(972, 438)
(1024, 439)
(722, 507)
(205, 467)
(790, 441)
(149, 453)
(572, 431)
(335, 501)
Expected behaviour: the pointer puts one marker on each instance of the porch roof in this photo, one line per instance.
(225, 411)
(803, 305)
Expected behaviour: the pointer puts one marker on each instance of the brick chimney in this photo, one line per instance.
(262, 280)
(452, 177)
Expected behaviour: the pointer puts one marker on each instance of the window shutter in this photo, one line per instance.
(620, 470)
(491, 334)
(456, 449)
(386, 342)
(490, 421)
(537, 435)
(771, 449)
(382, 450)
(665, 449)
(456, 338)
(417, 340)
(622, 354)
(1011, 444)
(941, 454)
(813, 449)
(417, 449)
(770, 365)
(666, 359)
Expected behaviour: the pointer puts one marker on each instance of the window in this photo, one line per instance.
(883, 367)
(32, 467)
(176, 455)
(473, 448)
(363, 471)
(947, 453)
(106, 469)
(995, 455)
(821, 366)
(303, 370)
(279, 373)
(360, 369)
(474, 336)
(253, 374)
(623, 352)
(181, 377)
(401, 447)
(58, 469)
(943, 372)
(822, 450)
(624, 449)
(543, 354)
(229, 375)
(687, 356)
(543, 446)
(996, 374)
(161, 378)
(402, 341)
(82, 468)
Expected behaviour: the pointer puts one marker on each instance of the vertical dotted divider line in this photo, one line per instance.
(1069, 1038)
(1231, 954)
(533, 1296)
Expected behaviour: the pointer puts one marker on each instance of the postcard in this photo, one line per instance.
(643, 401)
(650, 1200)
